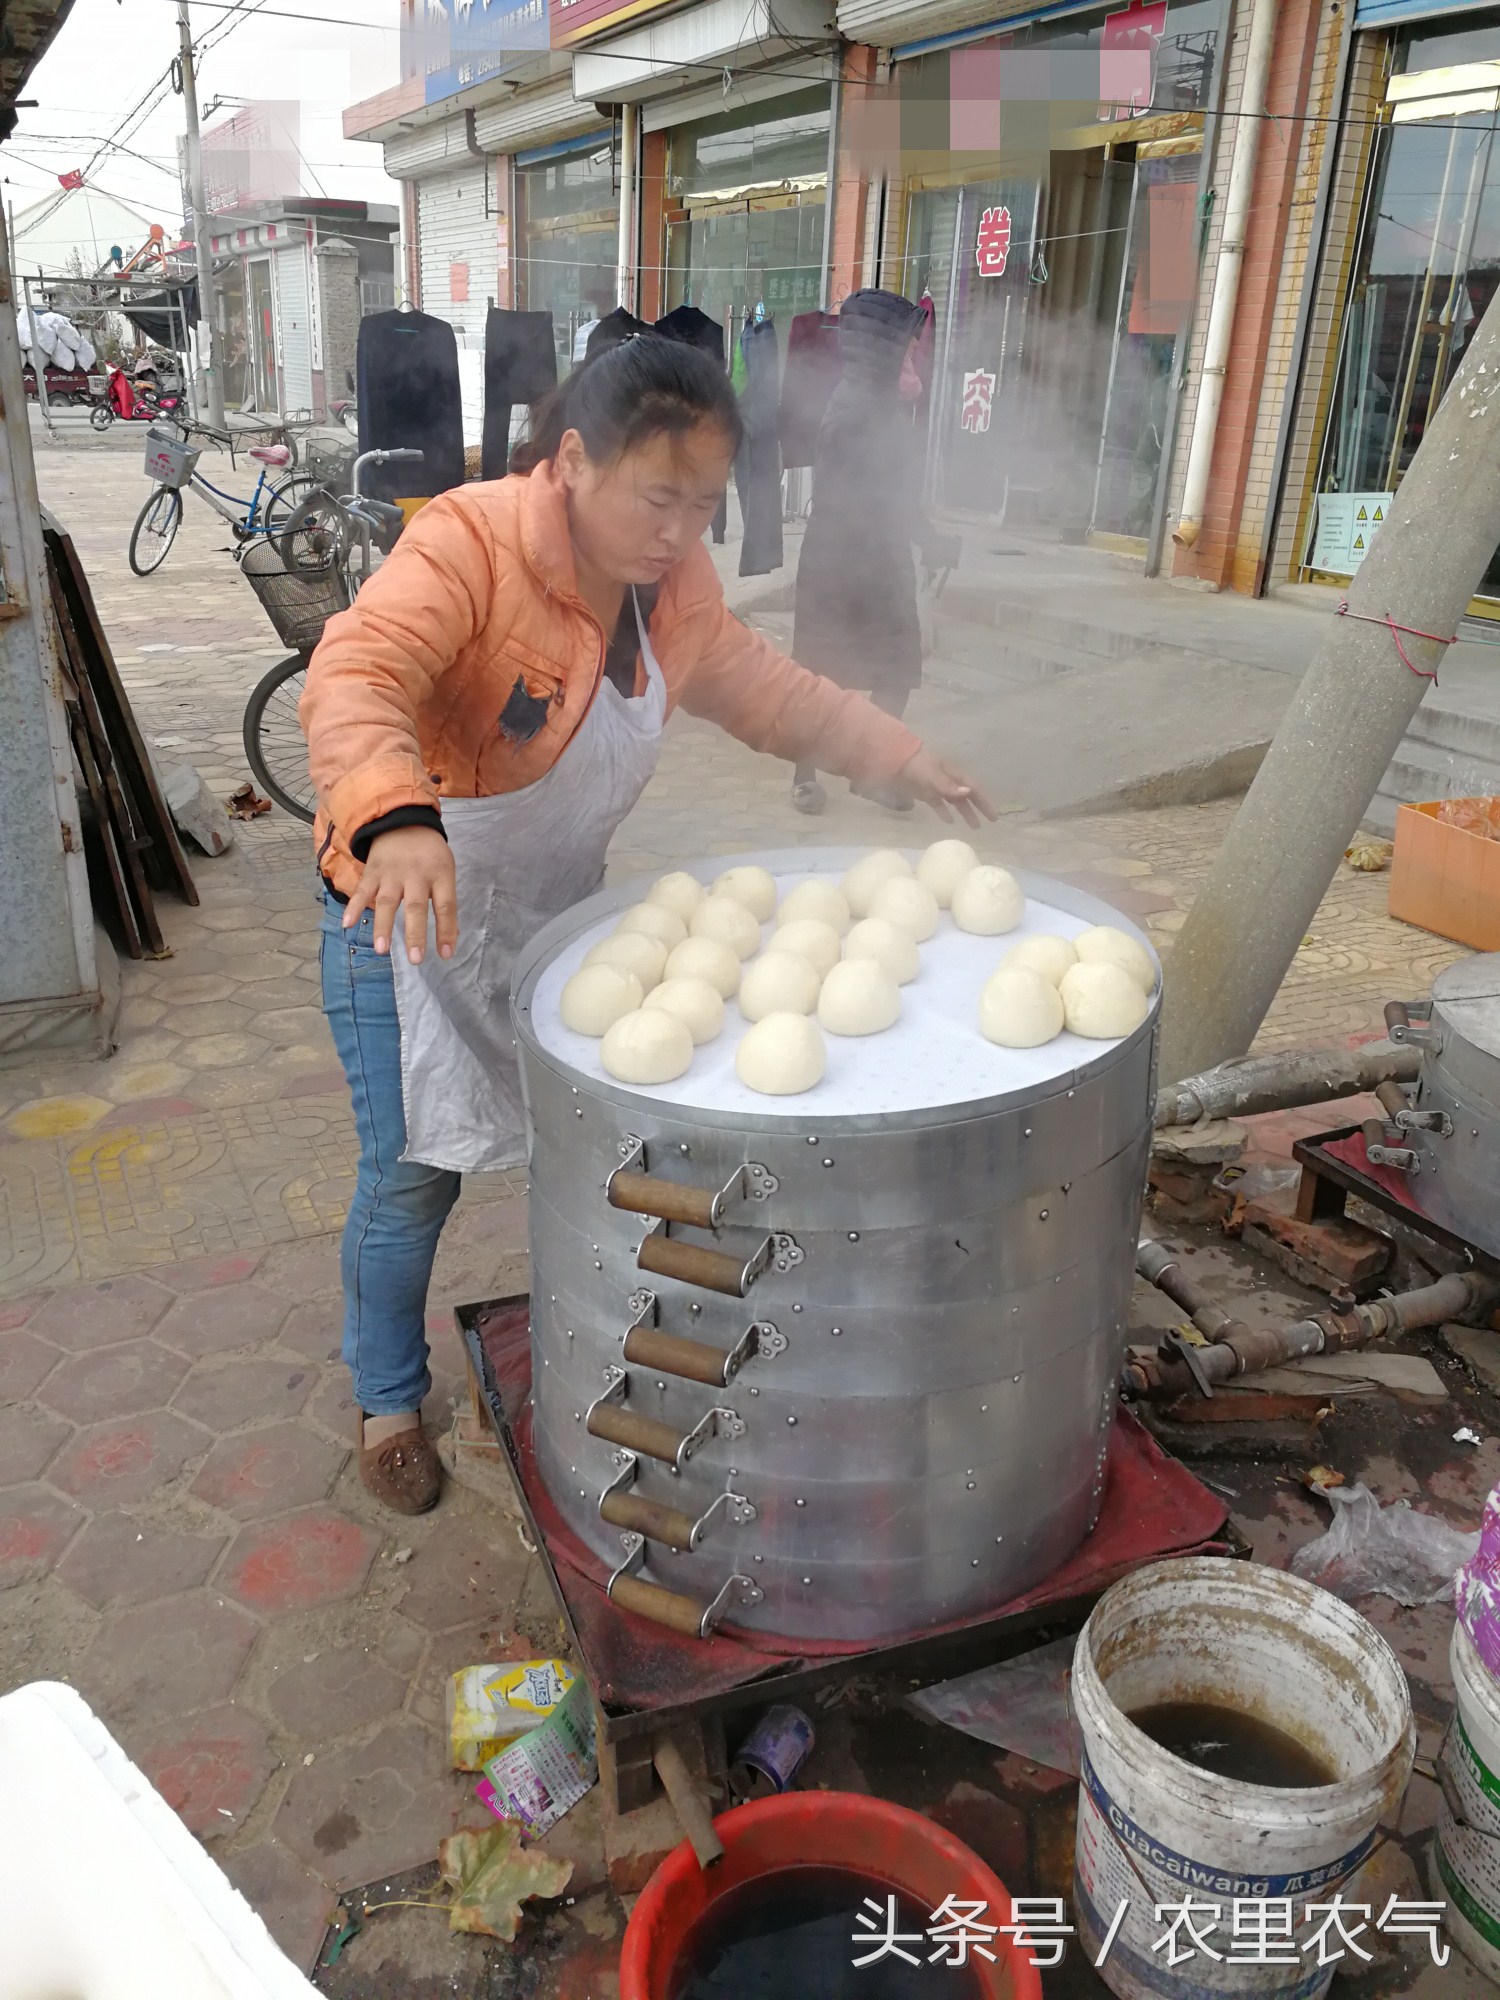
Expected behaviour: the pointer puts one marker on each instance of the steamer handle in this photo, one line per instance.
(711, 1270)
(645, 1194)
(662, 1607)
(1396, 1015)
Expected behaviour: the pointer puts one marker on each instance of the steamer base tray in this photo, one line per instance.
(646, 1678)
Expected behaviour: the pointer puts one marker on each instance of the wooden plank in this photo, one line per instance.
(164, 861)
(103, 835)
(130, 841)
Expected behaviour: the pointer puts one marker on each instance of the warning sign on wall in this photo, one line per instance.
(1346, 525)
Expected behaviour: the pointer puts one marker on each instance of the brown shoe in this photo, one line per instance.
(403, 1472)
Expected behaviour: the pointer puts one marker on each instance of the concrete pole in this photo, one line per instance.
(1343, 727)
(211, 380)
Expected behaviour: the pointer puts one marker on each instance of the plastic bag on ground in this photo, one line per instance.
(1020, 1705)
(1393, 1551)
(1476, 1588)
(490, 1706)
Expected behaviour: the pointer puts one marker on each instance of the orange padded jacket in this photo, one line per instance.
(476, 609)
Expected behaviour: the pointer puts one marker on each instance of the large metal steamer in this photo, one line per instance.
(818, 1371)
(1449, 1139)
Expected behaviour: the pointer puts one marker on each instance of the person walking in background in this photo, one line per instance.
(856, 608)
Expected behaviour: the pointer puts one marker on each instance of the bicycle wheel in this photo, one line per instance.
(155, 530)
(315, 534)
(275, 747)
(283, 499)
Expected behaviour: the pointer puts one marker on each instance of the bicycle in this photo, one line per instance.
(172, 461)
(332, 557)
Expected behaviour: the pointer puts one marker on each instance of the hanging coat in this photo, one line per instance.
(856, 616)
(612, 329)
(520, 366)
(757, 466)
(695, 329)
(812, 370)
(409, 399)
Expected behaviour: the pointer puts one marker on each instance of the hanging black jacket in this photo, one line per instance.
(757, 469)
(520, 366)
(856, 617)
(409, 398)
(612, 329)
(695, 329)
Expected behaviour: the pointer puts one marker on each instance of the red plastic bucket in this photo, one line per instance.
(893, 1848)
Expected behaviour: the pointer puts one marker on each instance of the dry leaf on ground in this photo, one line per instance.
(491, 1875)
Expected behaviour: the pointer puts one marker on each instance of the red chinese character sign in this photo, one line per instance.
(978, 404)
(1127, 54)
(992, 243)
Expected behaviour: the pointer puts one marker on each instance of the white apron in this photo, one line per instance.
(521, 859)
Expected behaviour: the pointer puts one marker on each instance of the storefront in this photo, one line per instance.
(744, 215)
(567, 234)
(1054, 219)
(1426, 261)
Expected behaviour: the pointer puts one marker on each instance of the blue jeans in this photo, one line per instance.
(399, 1207)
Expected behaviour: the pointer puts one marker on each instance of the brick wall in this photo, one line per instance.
(1318, 133)
(845, 216)
(1314, 392)
(338, 306)
(1242, 411)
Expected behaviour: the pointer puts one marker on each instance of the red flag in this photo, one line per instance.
(72, 179)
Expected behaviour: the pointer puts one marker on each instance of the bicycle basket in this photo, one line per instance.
(169, 461)
(329, 460)
(298, 603)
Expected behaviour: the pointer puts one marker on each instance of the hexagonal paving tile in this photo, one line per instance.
(301, 1271)
(191, 989)
(118, 1381)
(289, 1027)
(35, 1527)
(201, 1274)
(211, 1017)
(222, 1051)
(90, 1316)
(225, 914)
(299, 1560)
(112, 1464)
(249, 971)
(119, 1560)
(335, 1694)
(209, 1768)
(55, 1117)
(315, 1330)
(365, 1813)
(243, 1392)
(221, 1317)
(16, 1312)
(295, 1906)
(143, 1083)
(332, 1408)
(266, 1472)
(25, 1364)
(166, 1659)
(464, 1573)
(29, 1436)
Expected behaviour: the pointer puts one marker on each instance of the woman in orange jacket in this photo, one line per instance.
(479, 722)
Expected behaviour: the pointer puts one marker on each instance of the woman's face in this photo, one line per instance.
(633, 518)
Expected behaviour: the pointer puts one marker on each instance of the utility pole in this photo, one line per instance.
(1343, 727)
(211, 380)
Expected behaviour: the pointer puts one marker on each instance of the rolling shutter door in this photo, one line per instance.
(457, 242)
(294, 323)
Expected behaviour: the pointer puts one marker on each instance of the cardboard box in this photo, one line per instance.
(1445, 879)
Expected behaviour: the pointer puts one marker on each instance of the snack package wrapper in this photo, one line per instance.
(546, 1772)
(489, 1707)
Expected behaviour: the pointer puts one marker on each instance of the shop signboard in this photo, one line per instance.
(977, 404)
(992, 242)
(451, 45)
(1127, 56)
(575, 21)
(1346, 523)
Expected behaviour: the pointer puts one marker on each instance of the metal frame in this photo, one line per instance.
(51, 283)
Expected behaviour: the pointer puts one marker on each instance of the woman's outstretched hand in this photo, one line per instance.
(412, 865)
(946, 790)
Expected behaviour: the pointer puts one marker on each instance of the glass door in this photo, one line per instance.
(1156, 294)
(1425, 271)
